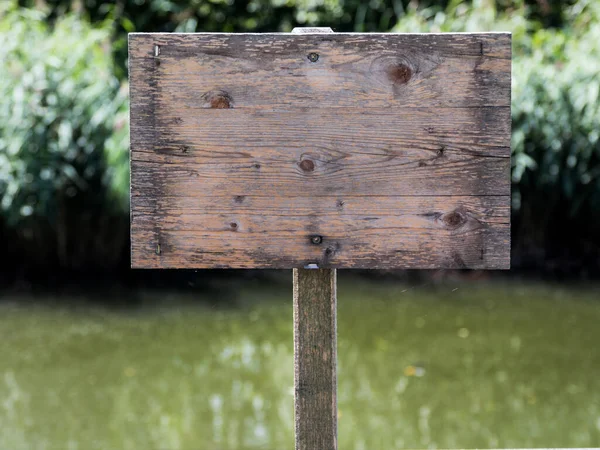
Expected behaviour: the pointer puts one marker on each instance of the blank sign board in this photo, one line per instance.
(340, 150)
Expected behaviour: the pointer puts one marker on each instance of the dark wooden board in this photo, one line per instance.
(389, 150)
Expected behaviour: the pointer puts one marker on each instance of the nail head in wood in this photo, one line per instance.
(313, 57)
(316, 239)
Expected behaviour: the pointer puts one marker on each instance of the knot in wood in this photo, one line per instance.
(313, 57)
(399, 74)
(307, 165)
(220, 103)
(453, 219)
(217, 100)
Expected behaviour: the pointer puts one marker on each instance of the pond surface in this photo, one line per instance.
(457, 365)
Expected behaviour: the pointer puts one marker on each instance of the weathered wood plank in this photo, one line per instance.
(236, 164)
(373, 249)
(374, 232)
(468, 176)
(315, 342)
(488, 210)
(312, 152)
(416, 133)
(320, 70)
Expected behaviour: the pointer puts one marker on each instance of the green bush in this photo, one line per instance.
(62, 114)
(262, 15)
(555, 121)
(64, 171)
(64, 124)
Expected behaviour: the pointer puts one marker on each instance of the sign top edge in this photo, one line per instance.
(478, 33)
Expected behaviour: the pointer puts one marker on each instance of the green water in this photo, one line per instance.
(465, 364)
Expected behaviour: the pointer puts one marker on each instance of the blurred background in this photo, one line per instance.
(94, 355)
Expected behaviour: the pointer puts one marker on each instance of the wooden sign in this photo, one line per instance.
(340, 150)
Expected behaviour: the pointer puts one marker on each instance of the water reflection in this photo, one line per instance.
(480, 366)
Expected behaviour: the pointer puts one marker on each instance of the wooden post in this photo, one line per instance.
(315, 354)
(315, 350)
(340, 150)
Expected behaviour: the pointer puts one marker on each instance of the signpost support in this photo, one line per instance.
(315, 398)
(322, 150)
(315, 350)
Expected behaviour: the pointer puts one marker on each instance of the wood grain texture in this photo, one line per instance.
(352, 70)
(393, 149)
(315, 355)
(356, 231)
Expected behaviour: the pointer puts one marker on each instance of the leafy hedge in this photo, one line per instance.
(556, 145)
(63, 111)
(61, 108)
(263, 15)
(63, 128)
(556, 124)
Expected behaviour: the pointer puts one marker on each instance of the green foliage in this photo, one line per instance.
(555, 113)
(265, 15)
(62, 107)
(64, 113)
(556, 116)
